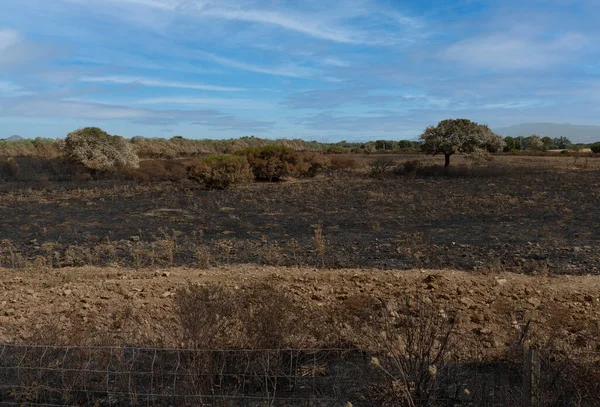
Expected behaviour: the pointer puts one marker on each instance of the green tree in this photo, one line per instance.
(562, 143)
(548, 143)
(459, 136)
(512, 144)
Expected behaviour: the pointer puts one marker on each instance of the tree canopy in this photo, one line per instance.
(459, 136)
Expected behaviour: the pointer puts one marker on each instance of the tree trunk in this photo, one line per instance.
(447, 157)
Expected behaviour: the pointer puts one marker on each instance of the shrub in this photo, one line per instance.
(344, 162)
(99, 151)
(311, 164)
(380, 166)
(13, 167)
(334, 150)
(158, 170)
(221, 171)
(411, 166)
(595, 148)
(271, 162)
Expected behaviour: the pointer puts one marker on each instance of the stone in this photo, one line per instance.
(468, 302)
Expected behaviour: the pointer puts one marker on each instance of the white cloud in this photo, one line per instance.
(213, 102)
(58, 108)
(133, 80)
(156, 4)
(518, 49)
(81, 109)
(292, 71)
(8, 38)
(307, 26)
(336, 62)
(324, 25)
(15, 50)
(9, 89)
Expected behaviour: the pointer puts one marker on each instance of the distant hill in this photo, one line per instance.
(575, 133)
(14, 138)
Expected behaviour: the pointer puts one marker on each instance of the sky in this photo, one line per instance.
(353, 70)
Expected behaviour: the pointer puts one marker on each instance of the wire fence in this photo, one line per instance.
(56, 376)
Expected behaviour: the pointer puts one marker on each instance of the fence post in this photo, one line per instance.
(531, 377)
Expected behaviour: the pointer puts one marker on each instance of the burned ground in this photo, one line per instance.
(531, 219)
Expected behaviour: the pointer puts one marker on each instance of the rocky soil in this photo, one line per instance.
(126, 306)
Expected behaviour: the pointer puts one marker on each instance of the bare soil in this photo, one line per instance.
(94, 306)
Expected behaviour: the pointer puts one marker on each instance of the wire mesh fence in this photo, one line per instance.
(131, 376)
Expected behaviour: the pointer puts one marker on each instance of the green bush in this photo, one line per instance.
(271, 162)
(99, 151)
(595, 148)
(221, 171)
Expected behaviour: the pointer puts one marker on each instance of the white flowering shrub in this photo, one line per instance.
(99, 151)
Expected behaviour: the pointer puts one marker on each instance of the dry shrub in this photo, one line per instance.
(344, 162)
(311, 164)
(221, 171)
(414, 350)
(271, 162)
(258, 317)
(380, 166)
(158, 170)
(9, 169)
(411, 166)
(99, 151)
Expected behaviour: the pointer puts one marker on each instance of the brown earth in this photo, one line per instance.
(116, 306)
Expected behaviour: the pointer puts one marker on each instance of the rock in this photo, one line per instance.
(134, 238)
(536, 302)
(501, 281)
(166, 274)
(466, 301)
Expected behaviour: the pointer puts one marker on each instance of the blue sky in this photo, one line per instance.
(321, 70)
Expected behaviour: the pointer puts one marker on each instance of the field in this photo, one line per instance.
(507, 251)
(526, 215)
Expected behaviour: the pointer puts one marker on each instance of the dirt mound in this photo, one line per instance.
(117, 306)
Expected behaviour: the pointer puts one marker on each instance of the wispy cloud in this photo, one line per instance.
(15, 50)
(99, 111)
(361, 67)
(290, 70)
(305, 26)
(10, 89)
(244, 104)
(158, 83)
(516, 49)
